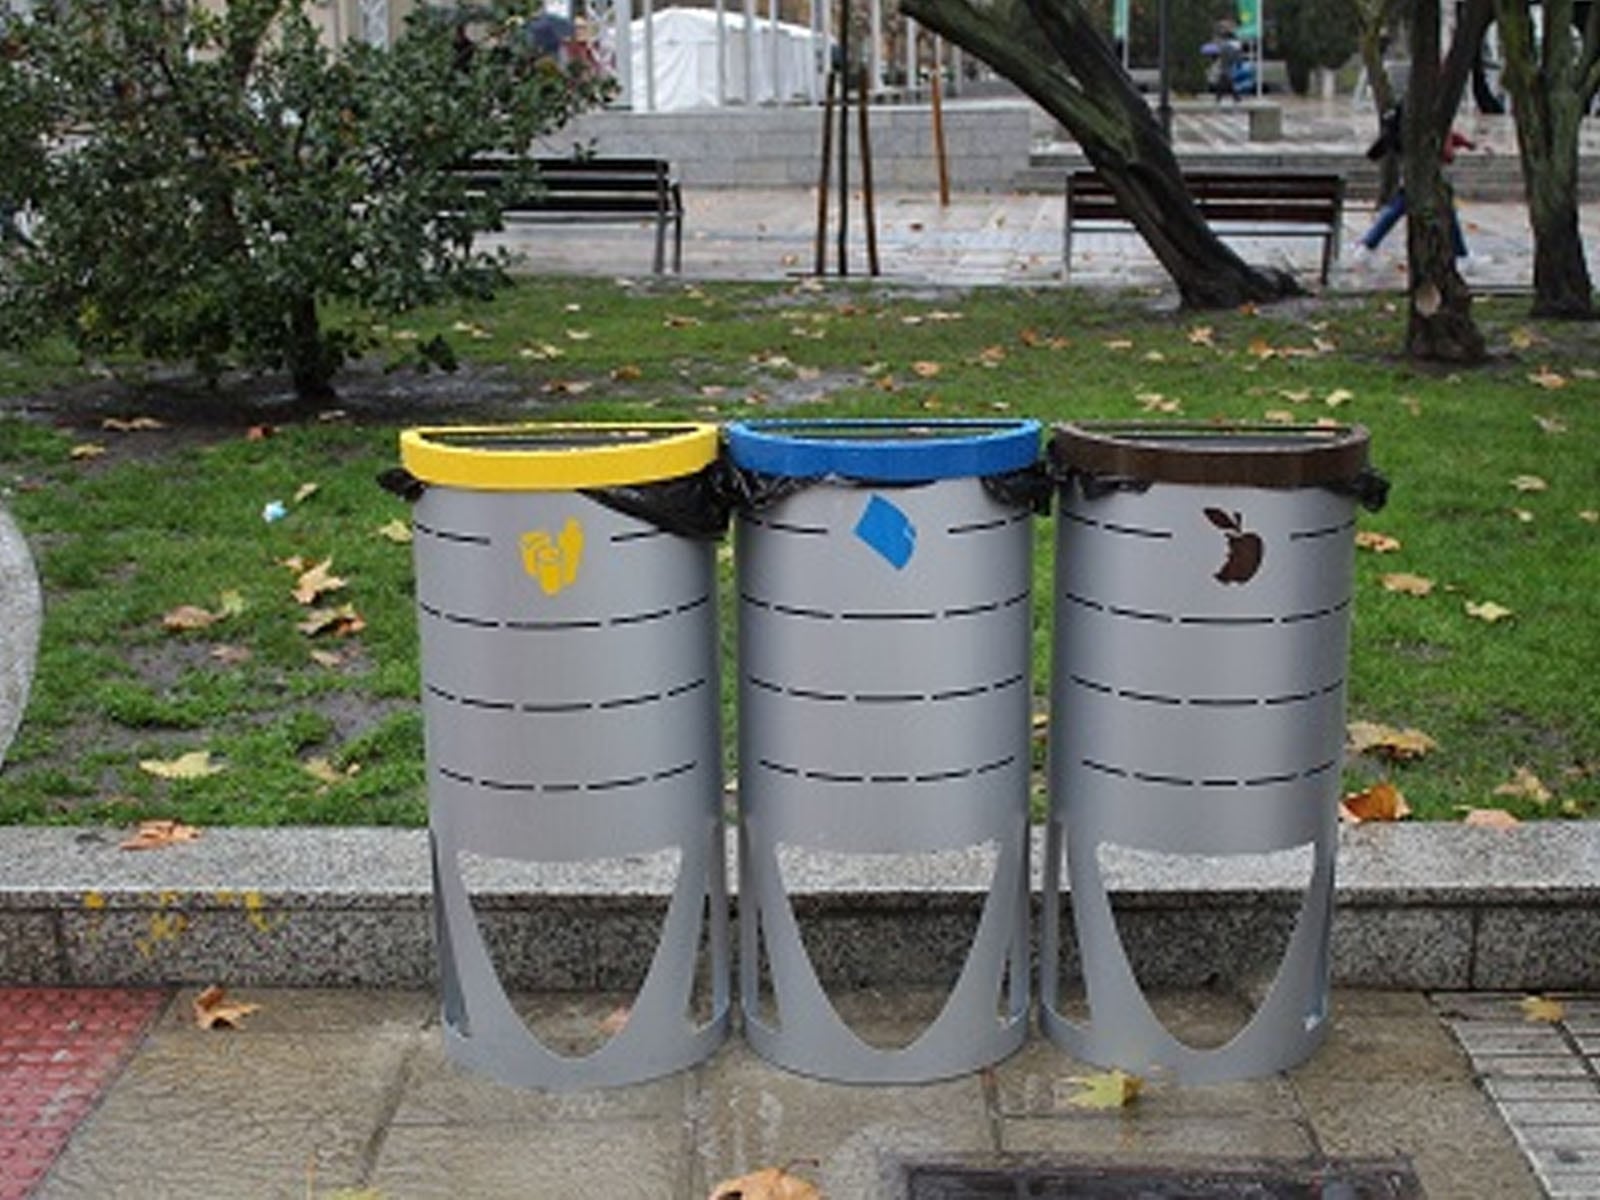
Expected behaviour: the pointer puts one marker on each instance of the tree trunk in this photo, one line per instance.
(1054, 53)
(1549, 104)
(312, 362)
(1439, 321)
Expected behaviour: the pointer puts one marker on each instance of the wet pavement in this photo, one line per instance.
(343, 1093)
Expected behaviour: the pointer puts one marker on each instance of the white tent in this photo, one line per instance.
(684, 46)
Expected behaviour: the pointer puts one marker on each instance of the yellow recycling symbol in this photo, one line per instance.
(553, 562)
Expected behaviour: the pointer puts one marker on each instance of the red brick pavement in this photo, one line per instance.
(60, 1048)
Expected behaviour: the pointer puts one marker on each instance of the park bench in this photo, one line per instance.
(1234, 203)
(595, 190)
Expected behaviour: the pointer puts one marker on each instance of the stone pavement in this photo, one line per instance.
(327, 1090)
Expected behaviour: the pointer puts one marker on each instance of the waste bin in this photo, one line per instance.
(884, 572)
(571, 712)
(1202, 612)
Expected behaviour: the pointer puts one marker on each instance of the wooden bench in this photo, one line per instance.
(1234, 204)
(594, 190)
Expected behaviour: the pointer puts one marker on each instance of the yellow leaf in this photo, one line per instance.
(1529, 483)
(323, 771)
(396, 531)
(341, 621)
(1338, 396)
(305, 491)
(313, 582)
(1523, 338)
(626, 373)
(1525, 515)
(1295, 395)
(1118, 344)
(543, 352)
(230, 603)
(213, 1009)
(1201, 335)
(1489, 818)
(1548, 379)
(1260, 348)
(1387, 741)
(1525, 785)
(992, 356)
(187, 617)
(1410, 585)
(1550, 424)
(1488, 611)
(583, 335)
(157, 835)
(769, 1183)
(1105, 1090)
(131, 424)
(86, 450)
(1380, 802)
(925, 369)
(676, 321)
(1154, 356)
(1378, 543)
(1590, 515)
(1278, 416)
(1541, 1008)
(196, 764)
(1156, 402)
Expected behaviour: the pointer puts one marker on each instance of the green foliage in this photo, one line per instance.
(1316, 33)
(203, 185)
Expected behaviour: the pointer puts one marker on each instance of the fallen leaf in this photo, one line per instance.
(1156, 402)
(1523, 338)
(1524, 515)
(197, 764)
(1549, 424)
(1542, 1008)
(1410, 585)
(992, 356)
(615, 1021)
(1295, 395)
(584, 335)
(1380, 802)
(1337, 397)
(1260, 348)
(305, 491)
(1278, 416)
(1105, 1090)
(327, 658)
(213, 1009)
(1118, 344)
(1549, 380)
(1427, 299)
(259, 433)
(677, 321)
(1590, 515)
(230, 603)
(565, 387)
(1488, 611)
(1525, 785)
(232, 655)
(543, 352)
(132, 424)
(1201, 335)
(157, 835)
(1489, 818)
(1529, 483)
(1387, 741)
(1154, 356)
(341, 621)
(396, 531)
(188, 617)
(86, 450)
(769, 1183)
(626, 373)
(323, 771)
(1378, 543)
(316, 581)
(925, 369)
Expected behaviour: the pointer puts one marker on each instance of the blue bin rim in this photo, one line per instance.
(910, 450)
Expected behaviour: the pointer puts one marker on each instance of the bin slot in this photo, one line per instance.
(1004, 522)
(1300, 535)
(1182, 781)
(636, 535)
(1316, 614)
(447, 535)
(1112, 527)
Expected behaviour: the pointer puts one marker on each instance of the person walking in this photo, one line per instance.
(1389, 142)
(1224, 51)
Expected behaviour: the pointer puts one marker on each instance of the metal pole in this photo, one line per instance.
(1164, 107)
(844, 137)
(869, 212)
(822, 182)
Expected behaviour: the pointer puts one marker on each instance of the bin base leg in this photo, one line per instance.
(482, 1030)
(1124, 1031)
(809, 1037)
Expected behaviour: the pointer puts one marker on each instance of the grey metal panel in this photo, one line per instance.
(571, 711)
(884, 706)
(1198, 685)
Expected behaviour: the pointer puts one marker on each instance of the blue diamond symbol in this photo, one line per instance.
(888, 530)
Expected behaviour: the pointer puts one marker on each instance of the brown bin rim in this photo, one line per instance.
(1219, 454)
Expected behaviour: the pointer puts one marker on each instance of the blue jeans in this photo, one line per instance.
(1390, 216)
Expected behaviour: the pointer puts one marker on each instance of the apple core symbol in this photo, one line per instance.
(1244, 548)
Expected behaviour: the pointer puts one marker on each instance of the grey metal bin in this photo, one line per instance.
(570, 704)
(884, 655)
(1202, 612)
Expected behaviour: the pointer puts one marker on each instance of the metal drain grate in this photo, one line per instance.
(1386, 1180)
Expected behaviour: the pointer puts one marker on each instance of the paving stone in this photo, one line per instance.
(1375, 1037)
(554, 1160)
(1134, 1136)
(1526, 1114)
(1583, 1186)
(1543, 1091)
(747, 1115)
(312, 1010)
(1495, 1038)
(1566, 1066)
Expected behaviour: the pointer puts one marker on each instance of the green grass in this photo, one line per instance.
(123, 539)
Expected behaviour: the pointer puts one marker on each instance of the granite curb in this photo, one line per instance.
(1419, 906)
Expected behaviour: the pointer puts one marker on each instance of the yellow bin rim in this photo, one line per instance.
(550, 457)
